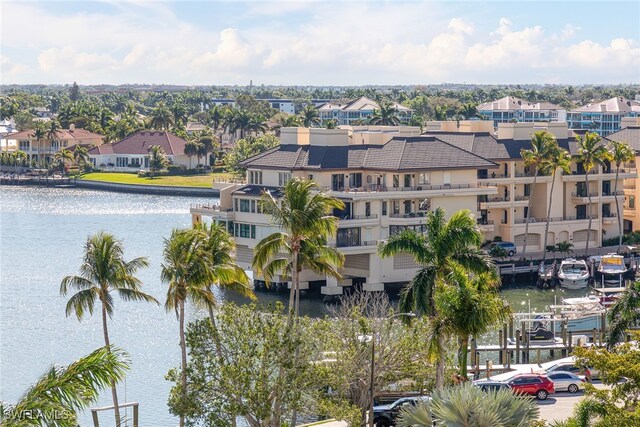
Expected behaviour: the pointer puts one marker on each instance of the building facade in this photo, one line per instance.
(512, 109)
(46, 148)
(357, 112)
(603, 117)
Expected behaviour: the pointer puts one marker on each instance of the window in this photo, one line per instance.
(245, 230)
(24, 145)
(310, 177)
(355, 180)
(425, 178)
(283, 177)
(632, 202)
(337, 182)
(348, 237)
(407, 206)
(244, 205)
(253, 206)
(527, 190)
(122, 162)
(367, 209)
(396, 207)
(407, 180)
(396, 181)
(255, 177)
(236, 205)
(384, 208)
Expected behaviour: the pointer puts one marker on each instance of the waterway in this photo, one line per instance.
(42, 232)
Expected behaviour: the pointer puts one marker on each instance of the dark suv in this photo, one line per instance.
(385, 415)
(536, 385)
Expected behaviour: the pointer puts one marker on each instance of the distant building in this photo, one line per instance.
(603, 117)
(357, 112)
(65, 138)
(132, 153)
(512, 109)
(284, 105)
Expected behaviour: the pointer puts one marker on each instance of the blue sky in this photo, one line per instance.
(320, 43)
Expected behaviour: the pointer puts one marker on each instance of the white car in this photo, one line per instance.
(566, 381)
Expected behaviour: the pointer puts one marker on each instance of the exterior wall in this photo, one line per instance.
(602, 123)
(523, 116)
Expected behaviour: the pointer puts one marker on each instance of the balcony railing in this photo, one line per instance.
(354, 217)
(210, 207)
(584, 194)
(408, 215)
(522, 198)
(485, 221)
(425, 187)
(612, 193)
(575, 172)
(493, 176)
(356, 244)
(609, 215)
(554, 219)
(496, 199)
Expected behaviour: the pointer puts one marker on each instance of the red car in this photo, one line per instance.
(536, 385)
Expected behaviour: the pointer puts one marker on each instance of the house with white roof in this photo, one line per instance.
(603, 117)
(512, 109)
(357, 112)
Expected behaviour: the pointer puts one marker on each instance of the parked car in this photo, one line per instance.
(385, 415)
(488, 385)
(508, 247)
(572, 367)
(536, 385)
(566, 381)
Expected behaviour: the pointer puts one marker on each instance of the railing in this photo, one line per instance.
(610, 215)
(522, 198)
(554, 219)
(575, 172)
(231, 181)
(356, 244)
(407, 215)
(584, 194)
(613, 193)
(426, 187)
(622, 170)
(212, 207)
(493, 176)
(485, 221)
(354, 217)
(496, 199)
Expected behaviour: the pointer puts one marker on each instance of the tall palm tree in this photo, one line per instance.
(621, 152)
(68, 389)
(443, 247)
(623, 314)
(591, 153)
(440, 112)
(157, 159)
(103, 272)
(309, 116)
(187, 273)
(39, 133)
(470, 308)
(179, 113)
(53, 132)
(161, 118)
(468, 111)
(535, 158)
(216, 117)
(386, 115)
(62, 156)
(81, 156)
(192, 148)
(304, 215)
(557, 158)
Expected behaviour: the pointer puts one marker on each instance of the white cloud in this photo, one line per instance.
(459, 26)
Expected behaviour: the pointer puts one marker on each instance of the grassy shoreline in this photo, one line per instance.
(200, 181)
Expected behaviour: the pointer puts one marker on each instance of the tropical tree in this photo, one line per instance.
(179, 113)
(309, 116)
(192, 148)
(66, 390)
(535, 158)
(386, 115)
(620, 153)
(557, 158)
(81, 156)
(624, 313)
(246, 148)
(63, 156)
(468, 405)
(564, 247)
(285, 121)
(53, 132)
(440, 250)
(161, 118)
(470, 307)
(468, 111)
(103, 272)
(39, 134)
(440, 112)
(157, 159)
(304, 214)
(590, 153)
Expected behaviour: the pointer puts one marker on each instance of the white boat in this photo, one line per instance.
(573, 274)
(580, 314)
(612, 270)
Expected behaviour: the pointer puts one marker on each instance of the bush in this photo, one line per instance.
(632, 238)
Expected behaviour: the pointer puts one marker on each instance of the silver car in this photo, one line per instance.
(566, 381)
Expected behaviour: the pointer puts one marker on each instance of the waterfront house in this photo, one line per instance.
(358, 111)
(510, 109)
(65, 138)
(132, 153)
(603, 117)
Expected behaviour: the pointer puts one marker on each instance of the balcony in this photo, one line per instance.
(495, 202)
(493, 175)
(408, 215)
(486, 224)
(213, 210)
(373, 191)
(612, 194)
(583, 196)
(609, 217)
(357, 220)
(554, 219)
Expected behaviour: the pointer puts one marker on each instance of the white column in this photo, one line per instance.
(332, 287)
(374, 280)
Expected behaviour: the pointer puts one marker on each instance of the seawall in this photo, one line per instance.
(165, 190)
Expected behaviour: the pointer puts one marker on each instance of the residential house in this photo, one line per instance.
(357, 112)
(512, 109)
(604, 117)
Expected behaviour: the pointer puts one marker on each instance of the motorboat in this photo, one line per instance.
(573, 274)
(612, 270)
(580, 314)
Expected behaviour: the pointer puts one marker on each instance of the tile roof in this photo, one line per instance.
(61, 135)
(412, 153)
(257, 190)
(612, 105)
(513, 103)
(361, 104)
(630, 135)
(141, 142)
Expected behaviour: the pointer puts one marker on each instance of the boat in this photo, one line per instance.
(573, 274)
(580, 314)
(612, 270)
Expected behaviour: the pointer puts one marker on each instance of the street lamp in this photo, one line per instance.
(373, 365)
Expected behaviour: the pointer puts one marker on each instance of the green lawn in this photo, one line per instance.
(181, 181)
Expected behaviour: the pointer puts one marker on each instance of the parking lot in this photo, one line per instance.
(559, 406)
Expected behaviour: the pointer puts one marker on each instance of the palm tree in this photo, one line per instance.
(564, 247)
(81, 156)
(62, 156)
(468, 405)
(67, 390)
(187, 273)
(620, 153)
(191, 148)
(624, 314)
(285, 121)
(157, 159)
(216, 117)
(471, 307)
(179, 113)
(309, 116)
(387, 115)
(39, 133)
(468, 111)
(304, 215)
(161, 118)
(535, 158)
(591, 153)
(557, 158)
(443, 247)
(103, 272)
(52, 134)
(440, 112)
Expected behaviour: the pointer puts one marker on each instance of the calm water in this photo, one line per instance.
(42, 232)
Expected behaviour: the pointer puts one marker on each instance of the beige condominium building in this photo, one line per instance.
(630, 134)
(389, 179)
